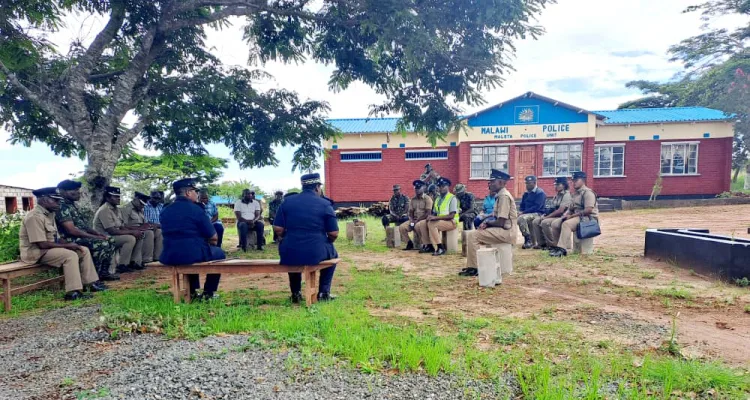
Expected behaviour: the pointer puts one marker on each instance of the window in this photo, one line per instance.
(362, 156)
(679, 158)
(561, 159)
(483, 159)
(427, 154)
(609, 160)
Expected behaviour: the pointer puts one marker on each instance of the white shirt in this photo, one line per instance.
(247, 211)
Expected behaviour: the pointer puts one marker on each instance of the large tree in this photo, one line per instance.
(150, 61)
(135, 172)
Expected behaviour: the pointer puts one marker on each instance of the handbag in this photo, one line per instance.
(588, 227)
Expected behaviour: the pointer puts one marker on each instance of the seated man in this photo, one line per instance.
(430, 178)
(541, 226)
(583, 204)
(444, 218)
(488, 207)
(153, 208)
(189, 237)
(248, 213)
(419, 209)
(500, 229)
(132, 214)
(532, 206)
(129, 242)
(212, 212)
(398, 208)
(74, 229)
(307, 226)
(38, 244)
(466, 205)
(273, 208)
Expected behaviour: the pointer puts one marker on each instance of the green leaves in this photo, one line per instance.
(144, 173)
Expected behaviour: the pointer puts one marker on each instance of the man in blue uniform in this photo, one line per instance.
(307, 227)
(189, 236)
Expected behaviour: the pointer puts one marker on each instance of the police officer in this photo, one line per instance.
(466, 204)
(420, 207)
(308, 227)
(541, 225)
(74, 229)
(134, 218)
(38, 242)
(398, 208)
(532, 206)
(273, 208)
(108, 220)
(444, 218)
(583, 205)
(430, 177)
(189, 237)
(500, 229)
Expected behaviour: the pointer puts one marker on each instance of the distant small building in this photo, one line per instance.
(14, 199)
(223, 201)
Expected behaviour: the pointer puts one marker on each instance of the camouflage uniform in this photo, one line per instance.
(102, 251)
(468, 210)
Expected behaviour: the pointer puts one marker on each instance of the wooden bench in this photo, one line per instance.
(16, 269)
(181, 285)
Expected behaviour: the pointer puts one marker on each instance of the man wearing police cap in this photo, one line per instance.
(39, 244)
(583, 204)
(190, 237)
(307, 226)
(74, 228)
(532, 206)
(108, 220)
(134, 217)
(420, 207)
(541, 227)
(398, 208)
(444, 218)
(500, 228)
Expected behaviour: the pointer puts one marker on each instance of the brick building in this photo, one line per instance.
(14, 199)
(622, 151)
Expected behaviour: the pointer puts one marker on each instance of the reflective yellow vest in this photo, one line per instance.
(440, 206)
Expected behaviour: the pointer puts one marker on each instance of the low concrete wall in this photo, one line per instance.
(641, 204)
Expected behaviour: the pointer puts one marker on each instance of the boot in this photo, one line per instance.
(326, 297)
(296, 297)
(105, 276)
(469, 272)
(97, 286)
(409, 246)
(440, 251)
(428, 248)
(122, 269)
(558, 252)
(527, 243)
(77, 295)
(136, 267)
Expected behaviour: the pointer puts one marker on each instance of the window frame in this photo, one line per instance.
(685, 162)
(555, 145)
(597, 159)
(406, 158)
(482, 146)
(360, 152)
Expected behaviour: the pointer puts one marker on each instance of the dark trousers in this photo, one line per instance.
(275, 235)
(468, 220)
(324, 285)
(219, 232)
(244, 229)
(212, 280)
(391, 219)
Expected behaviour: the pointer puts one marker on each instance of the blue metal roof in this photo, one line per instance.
(663, 115)
(365, 125)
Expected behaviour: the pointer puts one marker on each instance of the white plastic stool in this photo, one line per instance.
(489, 274)
(583, 246)
(504, 257)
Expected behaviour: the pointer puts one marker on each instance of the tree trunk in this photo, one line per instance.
(747, 177)
(98, 174)
(736, 174)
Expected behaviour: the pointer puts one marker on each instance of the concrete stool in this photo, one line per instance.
(359, 235)
(489, 273)
(504, 257)
(583, 246)
(450, 241)
(464, 243)
(392, 237)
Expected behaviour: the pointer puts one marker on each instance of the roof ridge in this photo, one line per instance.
(658, 108)
(357, 119)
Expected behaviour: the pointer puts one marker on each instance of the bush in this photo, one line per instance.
(10, 225)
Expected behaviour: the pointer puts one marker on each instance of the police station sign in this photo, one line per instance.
(550, 131)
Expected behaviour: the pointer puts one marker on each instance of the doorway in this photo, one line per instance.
(11, 205)
(525, 166)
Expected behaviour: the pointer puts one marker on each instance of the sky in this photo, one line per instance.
(591, 48)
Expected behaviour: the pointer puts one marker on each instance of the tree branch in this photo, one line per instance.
(87, 62)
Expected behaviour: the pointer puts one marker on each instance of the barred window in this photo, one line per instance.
(362, 156)
(609, 160)
(679, 158)
(562, 159)
(427, 154)
(483, 159)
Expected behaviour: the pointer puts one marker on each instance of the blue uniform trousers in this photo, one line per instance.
(212, 280)
(219, 232)
(324, 285)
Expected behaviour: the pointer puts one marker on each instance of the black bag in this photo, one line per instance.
(588, 227)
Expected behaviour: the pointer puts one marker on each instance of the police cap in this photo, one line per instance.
(112, 191)
(69, 185)
(579, 175)
(443, 182)
(530, 178)
(310, 179)
(50, 192)
(183, 183)
(561, 180)
(418, 184)
(142, 197)
(497, 174)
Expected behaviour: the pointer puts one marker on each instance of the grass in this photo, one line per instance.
(674, 293)
(739, 186)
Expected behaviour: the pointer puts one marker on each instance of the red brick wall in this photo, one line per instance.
(643, 163)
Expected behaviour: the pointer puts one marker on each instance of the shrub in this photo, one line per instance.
(10, 225)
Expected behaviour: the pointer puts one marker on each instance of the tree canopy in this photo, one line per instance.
(150, 62)
(136, 172)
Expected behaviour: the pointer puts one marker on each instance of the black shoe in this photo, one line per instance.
(326, 297)
(469, 272)
(409, 246)
(107, 277)
(261, 248)
(77, 295)
(136, 267)
(527, 244)
(97, 286)
(123, 269)
(206, 296)
(558, 252)
(296, 298)
(426, 249)
(439, 252)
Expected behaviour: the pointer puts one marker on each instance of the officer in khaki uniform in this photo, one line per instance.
(583, 204)
(444, 218)
(541, 226)
(132, 215)
(39, 244)
(108, 220)
(500, 228)
(420, 207)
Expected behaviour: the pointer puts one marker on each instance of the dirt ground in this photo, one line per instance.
(615, 295)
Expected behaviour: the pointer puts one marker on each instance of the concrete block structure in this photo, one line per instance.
(623, 152)
(14, 199)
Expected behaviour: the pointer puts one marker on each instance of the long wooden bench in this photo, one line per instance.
(181, 286)
(17, 269)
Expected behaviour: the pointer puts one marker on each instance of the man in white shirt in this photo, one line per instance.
(248, 213)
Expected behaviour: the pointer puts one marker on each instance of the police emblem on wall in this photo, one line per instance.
(527, 115)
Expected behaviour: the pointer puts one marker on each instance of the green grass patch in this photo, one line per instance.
(649, 275)
(674, 293)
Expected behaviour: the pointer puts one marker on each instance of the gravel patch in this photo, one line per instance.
(59, 355)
